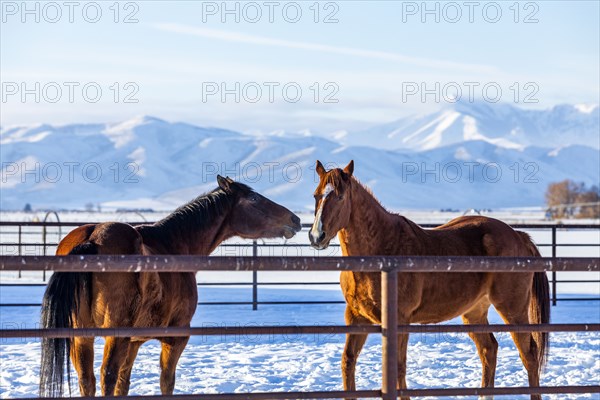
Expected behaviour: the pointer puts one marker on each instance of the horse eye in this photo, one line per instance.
(253, 198)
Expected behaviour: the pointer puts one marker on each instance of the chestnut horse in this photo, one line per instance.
(149, 299)
(345, 207)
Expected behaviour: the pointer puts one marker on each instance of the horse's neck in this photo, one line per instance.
(173, 238)
(372, 230)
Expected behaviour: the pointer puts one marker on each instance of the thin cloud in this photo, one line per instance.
(238, 37)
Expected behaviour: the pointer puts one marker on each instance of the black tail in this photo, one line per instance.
(60, 304)
(539, 306)
(539, 313)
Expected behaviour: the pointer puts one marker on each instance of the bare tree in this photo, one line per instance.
(568, 198)
(589, 201)
(559, 196)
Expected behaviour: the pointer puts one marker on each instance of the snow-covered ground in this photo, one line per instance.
(312, 362)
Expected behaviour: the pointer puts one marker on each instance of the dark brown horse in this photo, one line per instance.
(345, 207)
(113, 300)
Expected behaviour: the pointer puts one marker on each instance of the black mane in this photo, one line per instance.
(201, 212)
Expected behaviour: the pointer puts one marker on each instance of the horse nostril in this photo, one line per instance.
(295, 219)
(321, 237)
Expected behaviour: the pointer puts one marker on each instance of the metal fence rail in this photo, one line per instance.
(135, 263)
(365, 394)
(388, 267)
(287, 330)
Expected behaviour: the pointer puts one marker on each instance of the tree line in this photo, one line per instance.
(570, 199)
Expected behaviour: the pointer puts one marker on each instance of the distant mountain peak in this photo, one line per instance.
(504, 125)
(138, 120)
(586, 108)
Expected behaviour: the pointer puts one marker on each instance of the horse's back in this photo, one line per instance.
(473, 222)
(485, 236)
(103, 238)
(117, 238)
(76, 237)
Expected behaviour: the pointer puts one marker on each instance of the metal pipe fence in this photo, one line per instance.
(256, 248)
(388, 267)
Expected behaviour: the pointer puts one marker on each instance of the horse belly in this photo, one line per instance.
(362, 291)
(114, 299)
(181, 298)
(448, 295)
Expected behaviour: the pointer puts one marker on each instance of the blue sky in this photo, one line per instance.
(179, 53)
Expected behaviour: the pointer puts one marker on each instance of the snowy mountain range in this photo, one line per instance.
(502, 125)
(464, 156)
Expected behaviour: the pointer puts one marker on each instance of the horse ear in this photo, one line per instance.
(230, 180)
(224, 183)
(320, 168)
(349, 168)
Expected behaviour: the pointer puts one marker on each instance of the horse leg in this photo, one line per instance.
(354, 344)
(402, 350)
(486, 343)
(115, 353)
(524, 342)
(169, 356)
(124, 379)
(82, 356)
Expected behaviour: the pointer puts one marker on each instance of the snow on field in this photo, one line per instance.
(310, 362)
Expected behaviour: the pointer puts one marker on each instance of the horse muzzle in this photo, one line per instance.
(290, 230)
(318, 240)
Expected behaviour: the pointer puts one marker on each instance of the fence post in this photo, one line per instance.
(45, 233)
(554, 272)
(254, 278)
(44, 248)
(19, 245)
(389, 334)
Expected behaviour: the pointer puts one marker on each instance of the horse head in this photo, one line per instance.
(332, 204)
(254, 216)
